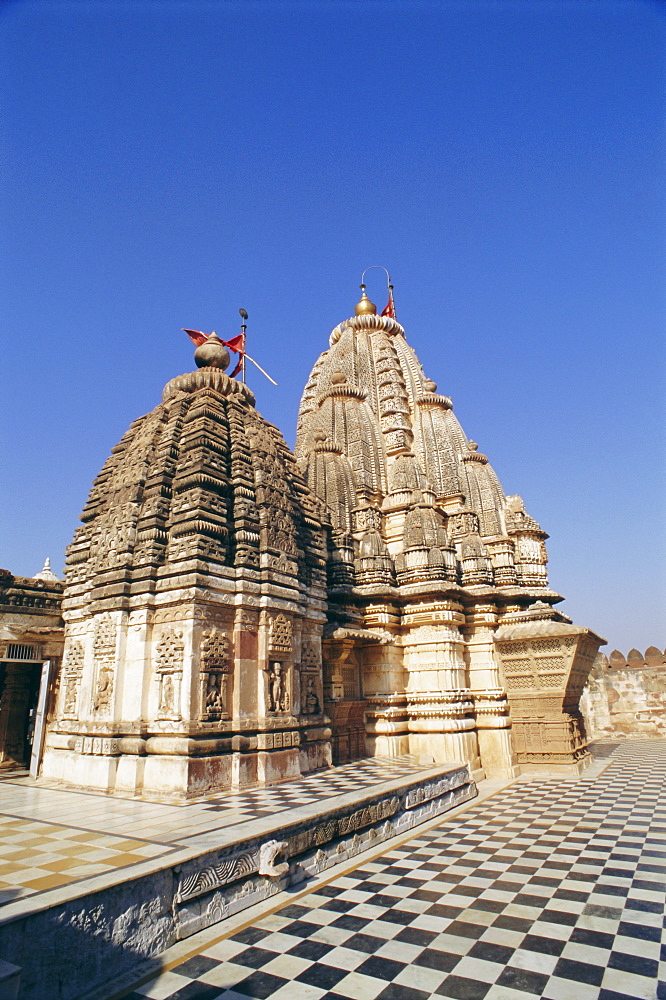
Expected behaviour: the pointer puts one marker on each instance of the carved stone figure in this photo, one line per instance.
(309, 700)
(214, 665)
(104, 690)
(167, 695)
(278, 699)
(215, 693)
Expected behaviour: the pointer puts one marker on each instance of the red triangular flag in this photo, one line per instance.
(390, 306)
(196, 336)
(236, 344)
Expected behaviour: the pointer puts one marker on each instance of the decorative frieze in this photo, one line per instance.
(98, 746)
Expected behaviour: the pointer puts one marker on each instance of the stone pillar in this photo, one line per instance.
(247, 677)
(490, 700)
(440, 704)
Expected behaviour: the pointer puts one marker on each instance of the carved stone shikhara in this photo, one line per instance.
(199, 564)
(428, 549)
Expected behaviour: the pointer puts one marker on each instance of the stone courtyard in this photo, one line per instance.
(540, 887)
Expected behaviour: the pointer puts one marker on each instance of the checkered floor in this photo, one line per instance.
(337, 781)
(35, 857)
(551, 888)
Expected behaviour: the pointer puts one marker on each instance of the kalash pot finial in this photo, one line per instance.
(364, 307)
(212, 354)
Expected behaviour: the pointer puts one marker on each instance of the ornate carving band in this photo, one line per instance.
(425, 793)
(258, 861)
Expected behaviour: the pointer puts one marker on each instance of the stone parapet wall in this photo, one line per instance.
(124, 919)
(626, 695)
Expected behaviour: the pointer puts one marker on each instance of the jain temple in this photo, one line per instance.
(236, 615)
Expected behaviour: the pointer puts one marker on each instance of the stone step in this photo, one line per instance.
(126, 916)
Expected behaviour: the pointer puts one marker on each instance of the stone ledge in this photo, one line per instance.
(128, 916)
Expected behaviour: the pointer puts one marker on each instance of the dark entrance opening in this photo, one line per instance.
(19, 690)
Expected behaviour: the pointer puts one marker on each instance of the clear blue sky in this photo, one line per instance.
(167, 162)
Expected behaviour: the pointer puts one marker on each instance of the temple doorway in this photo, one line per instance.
(19, 691)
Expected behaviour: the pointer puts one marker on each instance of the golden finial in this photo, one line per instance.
(364, 307)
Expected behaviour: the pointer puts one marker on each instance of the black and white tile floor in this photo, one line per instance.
(551, 888)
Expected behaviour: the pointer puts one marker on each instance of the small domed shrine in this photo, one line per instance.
(442, 639)
(194, 605)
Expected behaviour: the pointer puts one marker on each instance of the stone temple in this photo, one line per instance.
(236, 615)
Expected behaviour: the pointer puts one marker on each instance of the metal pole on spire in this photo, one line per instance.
(243, 331)
(390, 305)
(244, 355)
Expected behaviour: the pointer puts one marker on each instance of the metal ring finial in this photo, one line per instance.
(381, 268)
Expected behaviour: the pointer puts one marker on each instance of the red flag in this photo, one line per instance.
(236, 344)
(196, 336)
(390, 305)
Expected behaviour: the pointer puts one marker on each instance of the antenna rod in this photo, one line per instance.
(243, 333)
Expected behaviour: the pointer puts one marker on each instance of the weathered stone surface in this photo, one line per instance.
(628, 699)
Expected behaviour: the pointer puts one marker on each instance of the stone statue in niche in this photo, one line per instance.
(71, 693)
(278, 699)
(102, 701)
(73, 668)
(166, 694)
(216, 693)
(309, 700)
(169, 664)
(215, 668)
